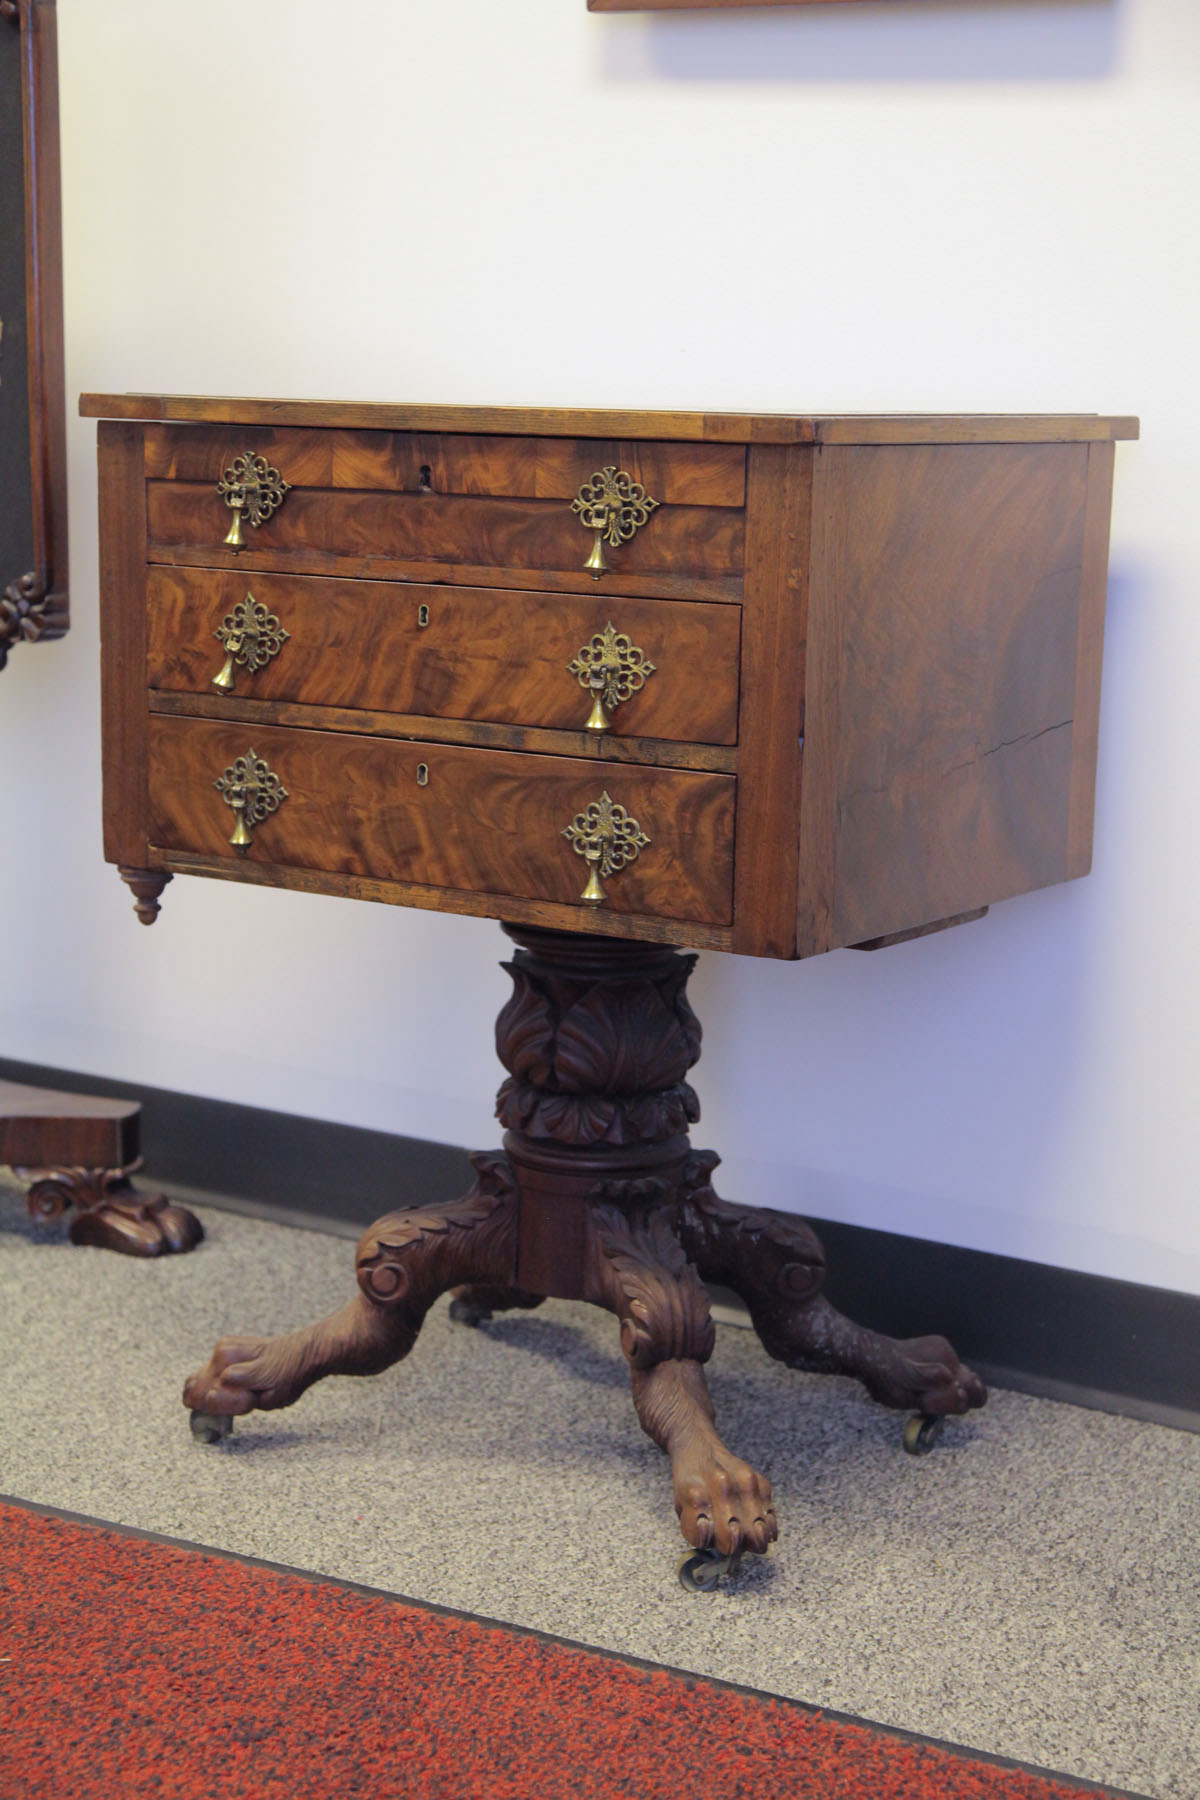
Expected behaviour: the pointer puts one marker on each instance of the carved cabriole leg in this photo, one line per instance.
(110, 1213)
(404, 1262)
(776, 1263)
(145, 885)
(636, 1268)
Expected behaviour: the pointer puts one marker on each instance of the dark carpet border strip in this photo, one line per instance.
(527, 1631)
(1088, 1339)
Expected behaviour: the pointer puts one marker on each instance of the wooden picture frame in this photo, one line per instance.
(701, 5)
(33, 426)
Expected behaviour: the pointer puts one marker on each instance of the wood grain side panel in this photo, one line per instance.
(779, 502)
(480, 654)
(823, 682)
(960, 571)
(488, 821)
(451, 463)
(1089, 654)
(123, 699)
(517, 534)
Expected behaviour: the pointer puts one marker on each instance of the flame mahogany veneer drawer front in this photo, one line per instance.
(485, 821)
(396, 498)
(498, 657)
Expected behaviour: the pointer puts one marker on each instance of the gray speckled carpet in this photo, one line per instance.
(1031, 1589)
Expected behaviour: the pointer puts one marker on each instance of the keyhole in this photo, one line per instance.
(422, 774)
(425, 479)
(422, 615)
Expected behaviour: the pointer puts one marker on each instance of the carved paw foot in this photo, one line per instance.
(721, 1502)
(112, 1215)
(248, 1373)
(922, 1373)
(244, 1374)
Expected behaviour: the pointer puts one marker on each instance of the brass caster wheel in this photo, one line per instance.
(464, 1313)
(921, 1433)
(701, 1572)
(210, 1428)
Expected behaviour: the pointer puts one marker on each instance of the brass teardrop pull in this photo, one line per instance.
(612, 667)
(613, 506)
(607, 838)
(250, 637)
(250, 486)
(254, 791)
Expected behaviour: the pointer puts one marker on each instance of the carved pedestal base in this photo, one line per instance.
(109, 1212)
(598, 1195)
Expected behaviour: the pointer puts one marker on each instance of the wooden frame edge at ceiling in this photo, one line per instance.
(701, 5)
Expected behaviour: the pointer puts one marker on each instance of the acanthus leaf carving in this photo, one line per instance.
(621, 1041)
(525, 1029)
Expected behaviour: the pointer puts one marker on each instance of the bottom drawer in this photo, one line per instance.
(483, 821)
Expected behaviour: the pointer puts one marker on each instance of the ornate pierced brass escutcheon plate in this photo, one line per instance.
(254, 791)
(608, 838)
(614, 506)
(250, 486)
(612, 667)
(250, 636)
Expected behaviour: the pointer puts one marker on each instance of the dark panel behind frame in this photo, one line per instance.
(17, 554)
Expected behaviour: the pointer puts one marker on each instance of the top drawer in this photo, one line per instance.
(440, 504)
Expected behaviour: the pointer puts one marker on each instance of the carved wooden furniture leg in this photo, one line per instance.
(110, 1214)
(79, 1150)
(636, 1268)
(776, 1263)
(599, 1196)
(404, 1262)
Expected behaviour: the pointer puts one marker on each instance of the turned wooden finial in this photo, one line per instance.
(146, 885)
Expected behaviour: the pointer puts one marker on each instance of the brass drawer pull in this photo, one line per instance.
(251, 486)
(250, 636)
(614, 506)
(612, 667)
(254, 791)
(607, 838)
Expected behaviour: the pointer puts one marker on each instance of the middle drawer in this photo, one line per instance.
(660, 668)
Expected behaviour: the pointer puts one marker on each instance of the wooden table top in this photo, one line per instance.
(739, 428)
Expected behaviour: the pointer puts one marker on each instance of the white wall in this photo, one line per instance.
(893, 206)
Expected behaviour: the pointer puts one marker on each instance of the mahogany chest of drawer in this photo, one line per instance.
(764, 684)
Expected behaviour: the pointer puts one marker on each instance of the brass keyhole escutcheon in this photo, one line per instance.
(250, 636)
(608, 838)
(422, 615)
(253, 489)
(614, 506)
(422, 774)
(612, 667)
(254, 791)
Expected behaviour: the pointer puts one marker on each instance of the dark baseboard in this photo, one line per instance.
(1087, 1339)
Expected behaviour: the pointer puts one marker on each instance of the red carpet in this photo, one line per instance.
(133, 1667)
